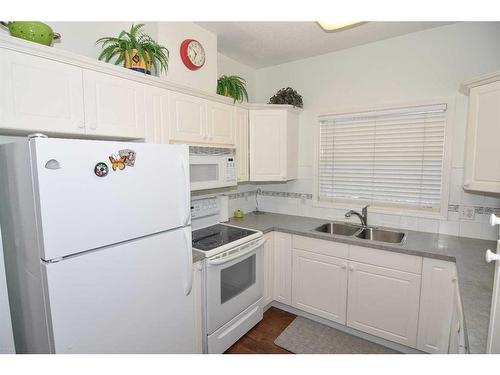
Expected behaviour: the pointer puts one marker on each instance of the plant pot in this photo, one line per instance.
(33, 31)
(137, 63)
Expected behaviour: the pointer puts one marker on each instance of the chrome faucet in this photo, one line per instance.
(363, 216)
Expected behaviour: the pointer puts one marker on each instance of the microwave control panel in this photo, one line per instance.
(230, 169)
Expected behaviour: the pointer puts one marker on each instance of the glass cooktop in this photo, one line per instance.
(209, 238)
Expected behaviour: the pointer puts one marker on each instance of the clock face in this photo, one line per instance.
(192, 54)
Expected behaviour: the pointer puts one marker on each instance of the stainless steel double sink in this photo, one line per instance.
(363, 233)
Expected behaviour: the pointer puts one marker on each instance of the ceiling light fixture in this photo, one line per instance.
(338, 26)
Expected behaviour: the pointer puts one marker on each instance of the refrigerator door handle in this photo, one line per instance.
(188, 285)
(187, 190)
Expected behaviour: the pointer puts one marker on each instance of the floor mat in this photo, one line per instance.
(304, 336)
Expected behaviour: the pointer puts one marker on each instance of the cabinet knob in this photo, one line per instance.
(344, 266)
(454, 280)
(351, 268)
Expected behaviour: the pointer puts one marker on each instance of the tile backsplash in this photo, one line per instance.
(294, 203)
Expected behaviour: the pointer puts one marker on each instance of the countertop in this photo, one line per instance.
(475, 276)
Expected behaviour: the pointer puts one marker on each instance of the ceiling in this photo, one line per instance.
(261, 44)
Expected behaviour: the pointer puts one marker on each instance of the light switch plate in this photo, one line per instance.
(467, 213)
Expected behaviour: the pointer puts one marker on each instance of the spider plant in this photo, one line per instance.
(137, 50)
(232, 86)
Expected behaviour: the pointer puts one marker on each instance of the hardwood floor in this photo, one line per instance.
(260, 339)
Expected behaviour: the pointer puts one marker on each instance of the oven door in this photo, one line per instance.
(234, 282)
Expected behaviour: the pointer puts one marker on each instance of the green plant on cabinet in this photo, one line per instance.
(136, 50)
(233, 87)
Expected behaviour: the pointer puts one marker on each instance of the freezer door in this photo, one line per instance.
(128, 298)
(80, 211)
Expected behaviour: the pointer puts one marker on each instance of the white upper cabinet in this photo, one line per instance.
(157, 130)
(188, 119)
(241, 143)
(384, 302)
(436, 305)
(40, 95)
(114, 106)
(482, 151)
(220, 129)
(274, 144)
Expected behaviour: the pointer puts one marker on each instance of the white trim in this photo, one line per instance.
(442, 214)
(478, 81)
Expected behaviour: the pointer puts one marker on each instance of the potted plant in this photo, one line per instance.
(137, 50)
(233, 87)
(287, 96)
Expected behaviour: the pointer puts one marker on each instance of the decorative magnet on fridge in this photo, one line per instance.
(117, 162)
(101, 169)
(129, 156)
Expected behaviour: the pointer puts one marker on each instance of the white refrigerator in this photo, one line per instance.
(97, 245)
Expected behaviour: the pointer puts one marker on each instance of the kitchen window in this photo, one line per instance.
(388, 158)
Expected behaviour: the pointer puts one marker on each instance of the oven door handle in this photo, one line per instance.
(215, 262)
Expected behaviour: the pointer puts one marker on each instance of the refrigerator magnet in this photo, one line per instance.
(117, 162)
(101, 169)
(129, 156)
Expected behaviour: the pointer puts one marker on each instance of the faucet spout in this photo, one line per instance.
(363, 216)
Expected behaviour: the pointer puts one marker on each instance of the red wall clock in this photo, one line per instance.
(192, 54)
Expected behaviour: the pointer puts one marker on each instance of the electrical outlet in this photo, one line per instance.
(467, 213)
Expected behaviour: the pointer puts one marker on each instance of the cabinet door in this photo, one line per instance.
(319, 285)
(114, 107)
(268, 145)
(268, 269)
(436, 305)
(157, 115)
(241, 142)
(40, 95)
(188, 119)
(482, 154)
(283, 268)
(220, 123)
(383, 302)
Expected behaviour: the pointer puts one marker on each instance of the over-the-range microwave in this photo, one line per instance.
(212, 167)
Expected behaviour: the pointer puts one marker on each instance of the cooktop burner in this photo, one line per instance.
(209, 238)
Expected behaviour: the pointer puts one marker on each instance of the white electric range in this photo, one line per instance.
(232, 274)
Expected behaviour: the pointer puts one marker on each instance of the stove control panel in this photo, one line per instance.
(204, 207)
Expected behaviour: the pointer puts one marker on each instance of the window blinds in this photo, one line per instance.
(392, 157)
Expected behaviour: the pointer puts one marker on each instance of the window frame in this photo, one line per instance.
(393, 209)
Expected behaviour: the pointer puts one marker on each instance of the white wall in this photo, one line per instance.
(80, 37)
(413, 67)
(228, 66)
(171, 34)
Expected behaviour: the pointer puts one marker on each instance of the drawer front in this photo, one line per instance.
(325, 247)
(387, 259)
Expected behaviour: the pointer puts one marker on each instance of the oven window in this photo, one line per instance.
(237, 278)
(203, 172)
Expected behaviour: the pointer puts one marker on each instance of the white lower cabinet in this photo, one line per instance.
(268, 269)
(320, 285)
(436, 305)
(384, 302)
(282, 288)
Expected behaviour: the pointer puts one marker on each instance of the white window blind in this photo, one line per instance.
(389, 157)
